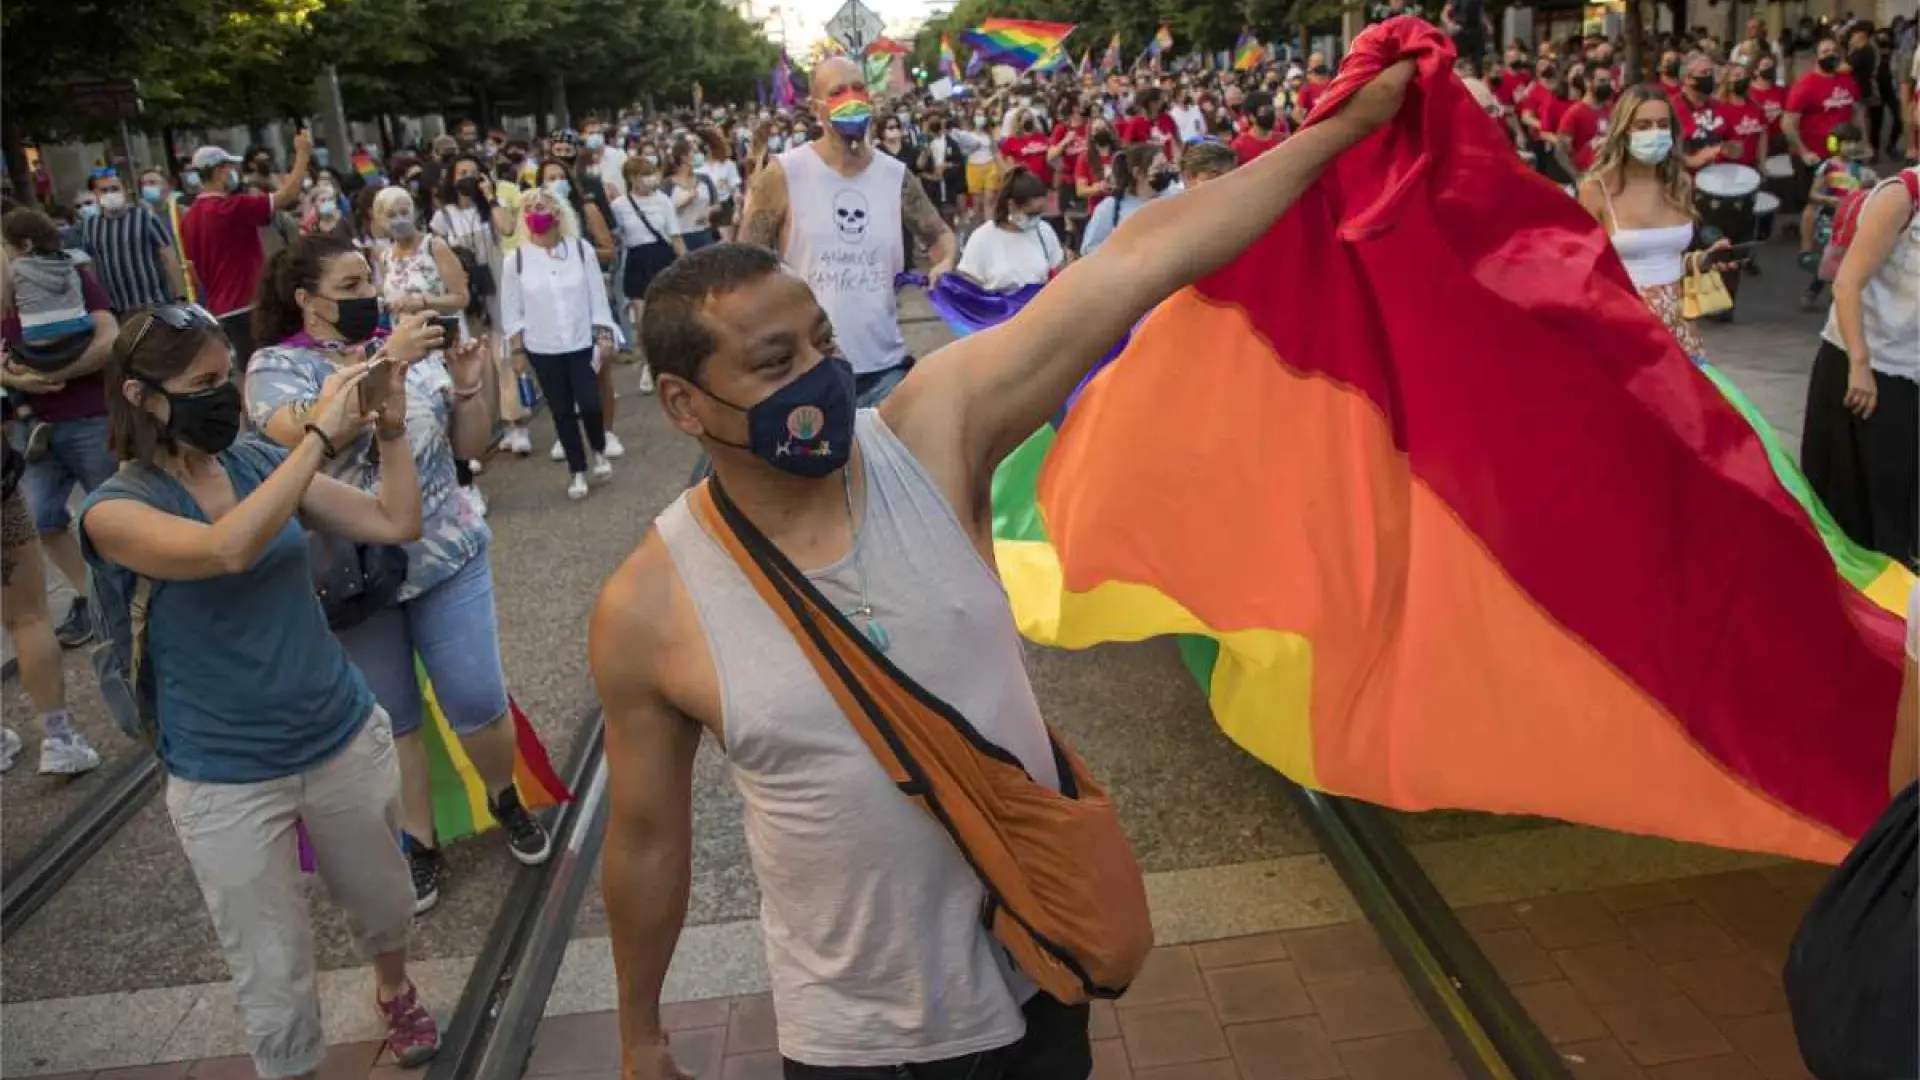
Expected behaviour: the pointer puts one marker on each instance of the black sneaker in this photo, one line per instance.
(429, 870)
(77, 628)
(526, 837)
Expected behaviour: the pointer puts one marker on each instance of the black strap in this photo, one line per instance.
(641, 214)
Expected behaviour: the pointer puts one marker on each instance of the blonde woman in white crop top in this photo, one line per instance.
(1640, 193)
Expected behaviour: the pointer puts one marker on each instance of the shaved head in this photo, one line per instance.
(834, 73)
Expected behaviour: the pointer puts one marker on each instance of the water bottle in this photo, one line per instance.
(529, 394)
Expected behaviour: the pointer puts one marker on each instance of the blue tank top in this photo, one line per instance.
(250, 684)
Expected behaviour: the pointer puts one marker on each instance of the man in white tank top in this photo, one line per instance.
(871, 917)
(834, 210)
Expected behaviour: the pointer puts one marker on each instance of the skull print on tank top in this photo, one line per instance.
(843, 239)
(871, 915)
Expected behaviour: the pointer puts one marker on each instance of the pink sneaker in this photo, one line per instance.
(412, 1036)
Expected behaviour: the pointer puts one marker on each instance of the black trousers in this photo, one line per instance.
(572, 390)
(1866, 472)
(1055, 1047)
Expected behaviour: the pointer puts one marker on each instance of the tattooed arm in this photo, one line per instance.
(763, 218)
(923, 220)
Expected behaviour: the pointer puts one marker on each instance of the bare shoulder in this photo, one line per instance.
(922, 414)
(645, 645)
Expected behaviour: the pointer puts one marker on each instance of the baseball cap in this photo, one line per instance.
(209, 157)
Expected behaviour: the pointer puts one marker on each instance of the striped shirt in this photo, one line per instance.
(126, 254)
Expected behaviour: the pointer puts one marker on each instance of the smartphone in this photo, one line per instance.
(450, 326)
(1735, 254)
(374, 386)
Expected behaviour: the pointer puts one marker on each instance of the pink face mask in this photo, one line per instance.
(540, 221)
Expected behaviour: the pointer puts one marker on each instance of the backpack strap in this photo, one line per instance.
(644, 222)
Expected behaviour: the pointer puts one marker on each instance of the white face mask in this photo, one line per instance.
(113, 201)
(1650, 147)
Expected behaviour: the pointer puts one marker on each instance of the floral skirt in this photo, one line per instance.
(1664, 301)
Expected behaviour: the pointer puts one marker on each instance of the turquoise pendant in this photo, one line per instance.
(878, 635)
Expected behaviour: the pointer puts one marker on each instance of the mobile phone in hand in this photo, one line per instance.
(374, 387)
(1738, 253)
(449, 326)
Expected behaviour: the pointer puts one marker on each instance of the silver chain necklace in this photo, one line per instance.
(875, 632)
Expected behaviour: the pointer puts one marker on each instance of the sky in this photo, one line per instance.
(806, 19)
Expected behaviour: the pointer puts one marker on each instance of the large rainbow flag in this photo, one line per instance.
(1020, 43)
(947, 66)
(1447, 519)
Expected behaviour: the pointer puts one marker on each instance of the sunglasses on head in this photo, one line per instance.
(175, 317)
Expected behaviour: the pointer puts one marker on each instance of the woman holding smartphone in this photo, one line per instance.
(263, 720)
(319, 303)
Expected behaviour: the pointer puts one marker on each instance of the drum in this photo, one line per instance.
(1765, 206)
(1779, 182)
(1724, 196)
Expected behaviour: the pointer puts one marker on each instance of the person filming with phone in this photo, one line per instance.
(319, 303)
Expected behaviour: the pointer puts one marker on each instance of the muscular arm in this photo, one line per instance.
(763, 219)
(1008, 380)
(923, 220)
(647, 864)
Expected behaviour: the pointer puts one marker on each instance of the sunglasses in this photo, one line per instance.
(175, 317)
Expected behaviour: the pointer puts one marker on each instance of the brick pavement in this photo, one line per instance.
(1674, 980)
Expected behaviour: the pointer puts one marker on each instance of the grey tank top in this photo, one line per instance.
(870, 913)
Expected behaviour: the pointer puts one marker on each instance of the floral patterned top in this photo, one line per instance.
(451, 533)
(412, 275)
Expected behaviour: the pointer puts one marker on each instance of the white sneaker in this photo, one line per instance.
(475, 499)
(577, 487)
(614, 449)
(558, 453)
(69, 756)
(602, 469)
(646, 379)
(517, 441)
(476, 466)
(9, 748)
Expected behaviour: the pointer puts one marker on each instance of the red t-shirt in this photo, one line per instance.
(1514, 85)
(1586, 129)
(1773, 102)
(1741, 125)
(1310, 94)
(1247, 145)
(1092, 169)
(1031, 151)
(221, 236)
(1075, 138)
(1691, 123)
(1823, 102)
(85, 396)
(1544, 105)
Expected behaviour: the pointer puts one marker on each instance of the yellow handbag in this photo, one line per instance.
(1702, 292)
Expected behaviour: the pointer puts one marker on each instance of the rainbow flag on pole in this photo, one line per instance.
(1111, 60)
(459, 798)
(1248, 52)
(947, 65)
(1162, 41)
(1020, 43)
(1423, 572)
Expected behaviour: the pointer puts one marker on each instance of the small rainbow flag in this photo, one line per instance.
(947, 65)
(459, 797)
(363, 164)
(1111, 61)
(1162, 41)
(1018, 42)
(1248, 52)
(888, 46)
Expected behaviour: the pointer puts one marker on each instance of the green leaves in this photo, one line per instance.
(218, 62)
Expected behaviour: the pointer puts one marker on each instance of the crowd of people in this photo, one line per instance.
(275, 387)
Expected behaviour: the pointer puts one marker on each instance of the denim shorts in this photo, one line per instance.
(451, 629)
(77, 454)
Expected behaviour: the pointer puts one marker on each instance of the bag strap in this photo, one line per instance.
(644, 221)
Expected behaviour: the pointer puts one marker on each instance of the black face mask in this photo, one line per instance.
(1764, 73)
(1517, 65)
(359, 317)
(804, 428)
(1829, 64)
(1671, 71)
(1319, 69)
(1548, 74)
(206, 420)
(468, 186)
(1264, 119)
(1702, 85)
(1602, 92)
(1741, 86)
(1160, 180)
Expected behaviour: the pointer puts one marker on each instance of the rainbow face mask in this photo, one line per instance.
(851, 113)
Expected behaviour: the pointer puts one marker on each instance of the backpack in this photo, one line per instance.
(480, 283)
(1064, 894)
(1846, 220)
(122, 600)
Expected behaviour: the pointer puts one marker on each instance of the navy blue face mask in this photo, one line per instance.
(805, 427)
